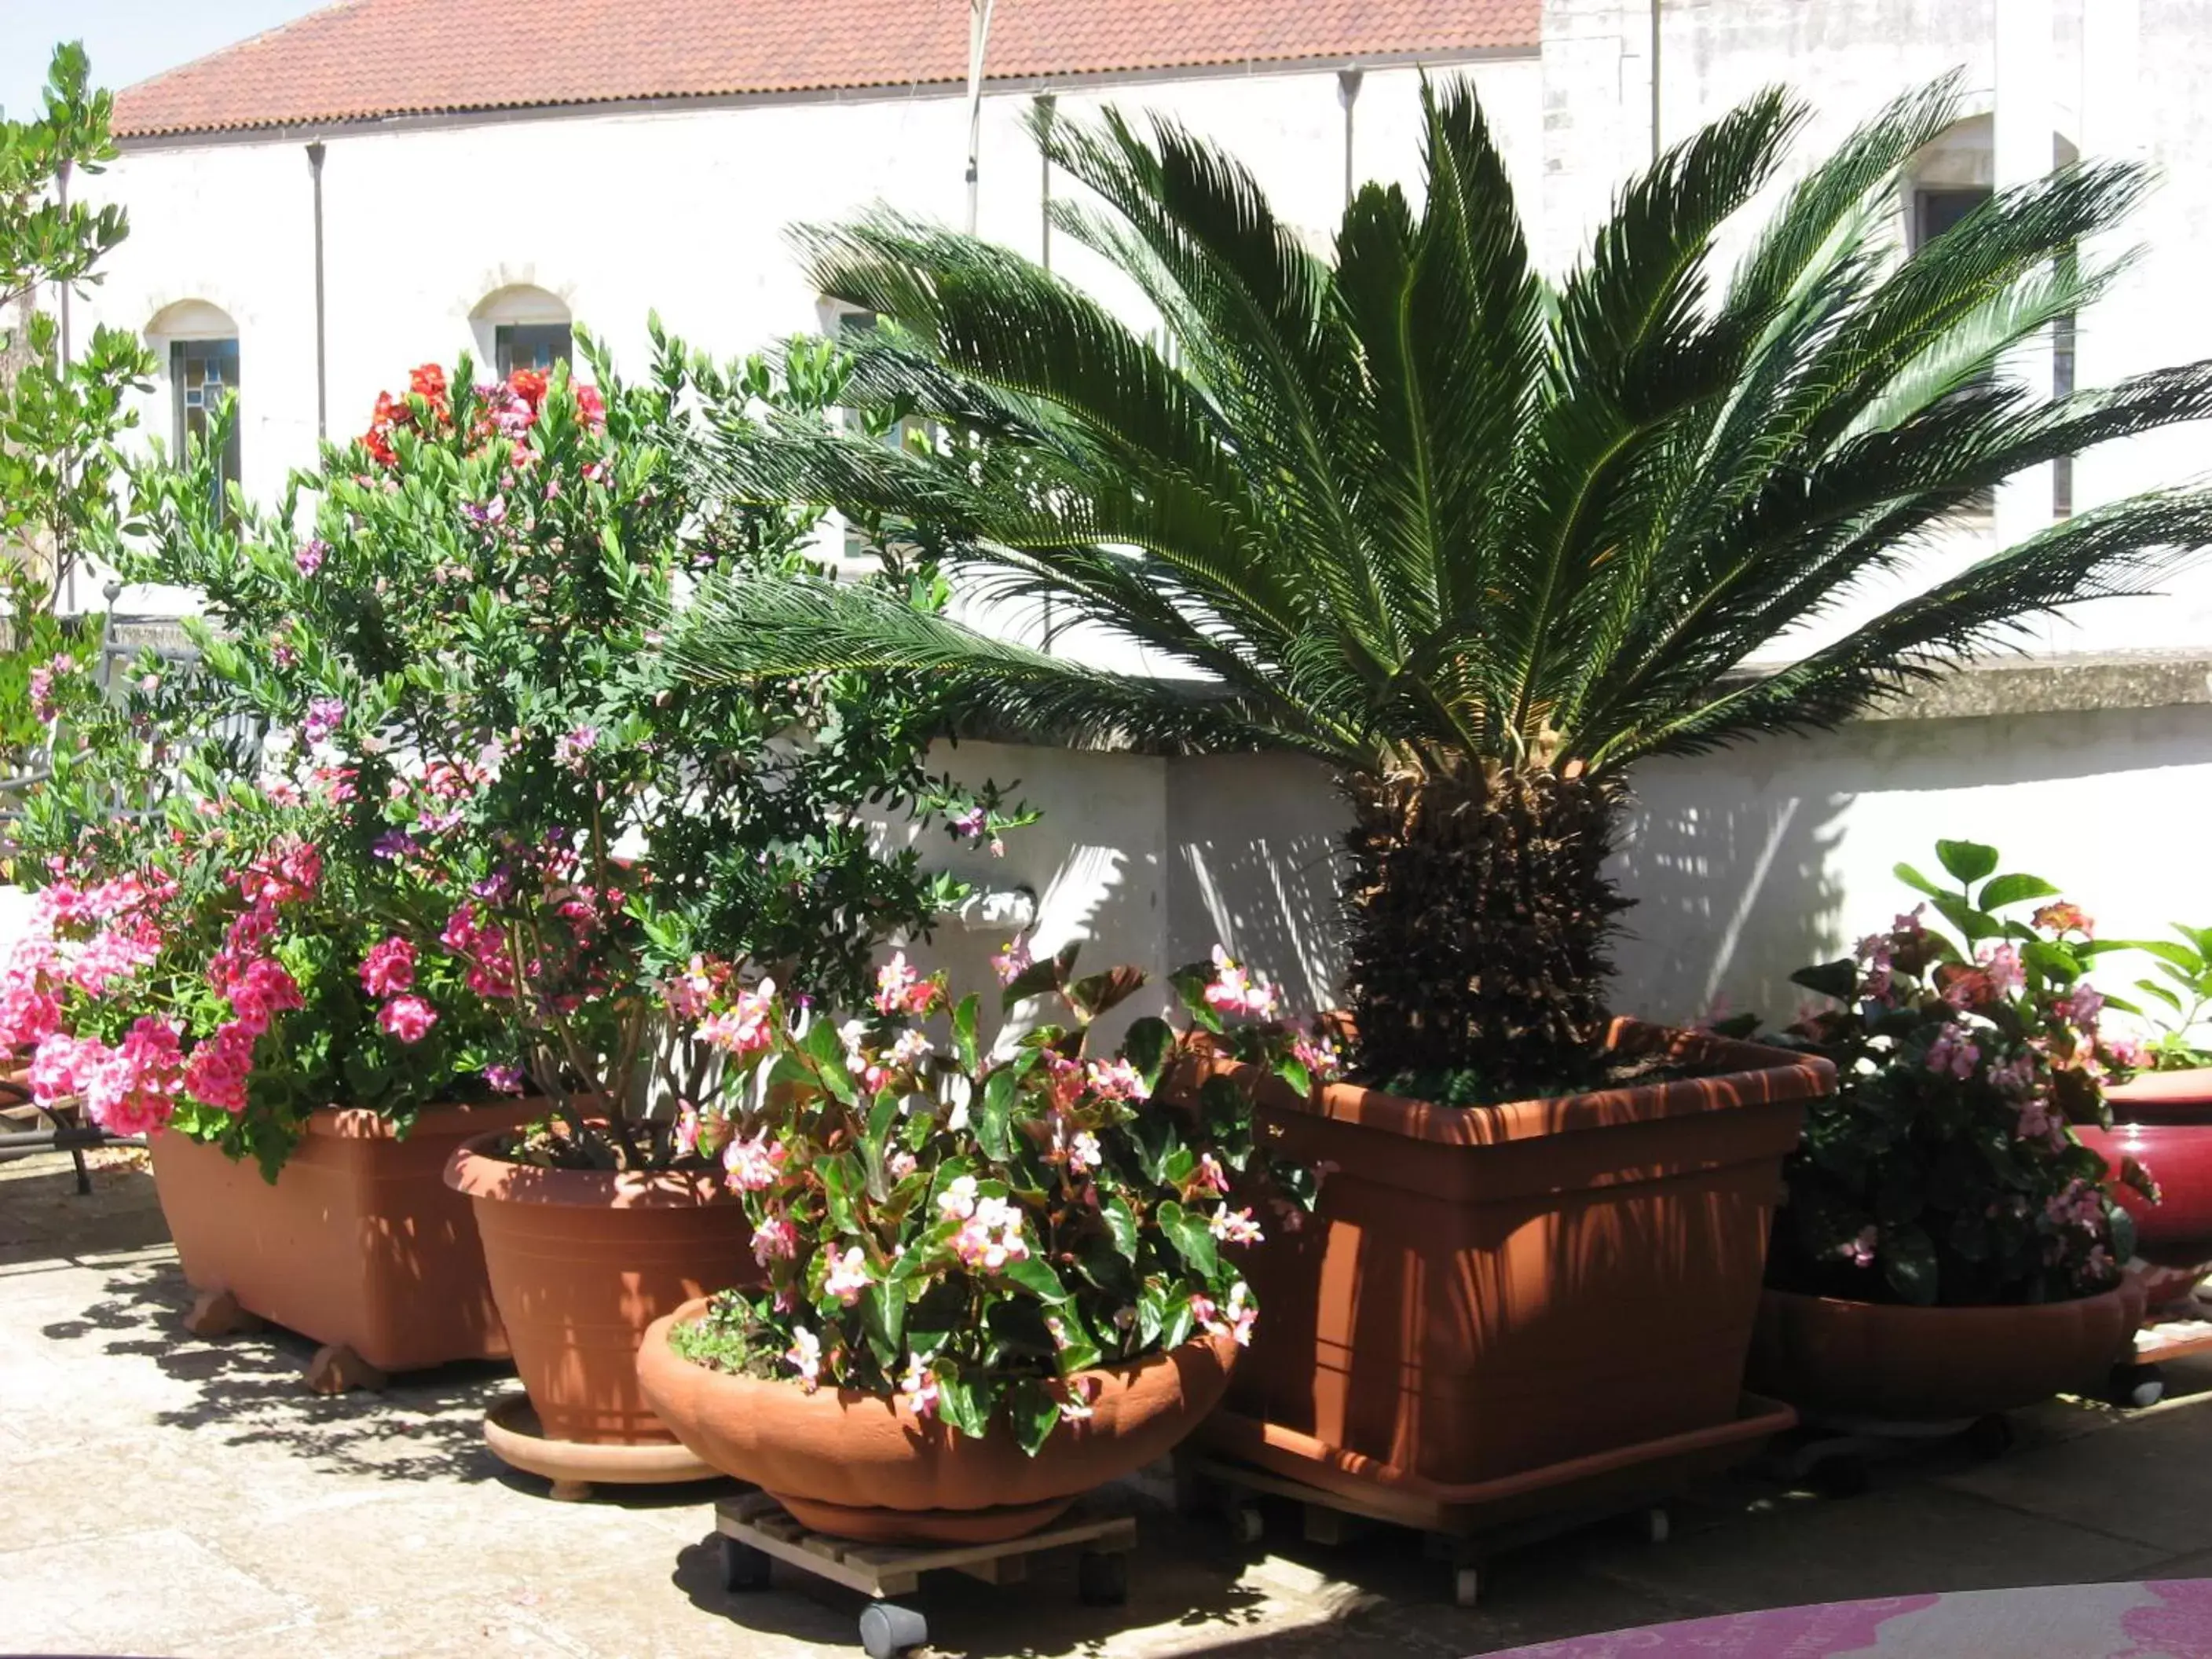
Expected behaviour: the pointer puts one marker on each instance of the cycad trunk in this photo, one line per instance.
(1480, 916)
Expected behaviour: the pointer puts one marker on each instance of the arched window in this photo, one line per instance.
(196, 344)
(523, 327)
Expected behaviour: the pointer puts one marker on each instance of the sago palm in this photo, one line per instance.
(1479, 540)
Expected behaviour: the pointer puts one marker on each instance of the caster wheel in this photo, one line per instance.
(1658, 1525)
(888, 1630)
(1847, 1476)
(1103, 1580)
(2135, 1386)
(744, 1567)
(1246, 1525)
(1466, 1586)
(1991, 1437)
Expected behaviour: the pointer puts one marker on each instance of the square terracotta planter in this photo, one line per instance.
(358, 1244)
(1488, 1291)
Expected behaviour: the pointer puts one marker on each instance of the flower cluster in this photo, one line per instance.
(975, 1234)
(1967, 1041)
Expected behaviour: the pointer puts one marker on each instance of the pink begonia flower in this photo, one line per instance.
(1075, 1404)
(919, 1385)
(752, 1166)
(1209, 1177)
(990, 1236)
(685, 1137)
(900, 990)
(1235, 1227)
(1235, 991)
(409, 1018)
(2003, 964)
(2081, 1007)
(2127, 1052)
(1084, 1154)
(688, 992)
(1234, 1322)
(903, 1164)
(1118, 1081)
(1318, 1055)
(847, 1277)
(1859, 1251)
(1952, 1053)
(2081, 1205)
(747, 1026)
(1010, 963)
(389, 967)
(503, 1079)
(774, 1239)
(958, 1199)
(804, 1356)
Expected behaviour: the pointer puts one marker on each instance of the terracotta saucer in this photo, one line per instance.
(511, 1429)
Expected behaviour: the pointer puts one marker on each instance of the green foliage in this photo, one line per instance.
(1420, 512)
(978, 1234)
(1944, 1169)
(2181, 993)
(57, 420)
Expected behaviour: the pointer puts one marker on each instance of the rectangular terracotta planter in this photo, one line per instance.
(1489, 1291)
(360, 1243)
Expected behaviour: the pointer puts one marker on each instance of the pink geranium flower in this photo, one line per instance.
(408, 1018)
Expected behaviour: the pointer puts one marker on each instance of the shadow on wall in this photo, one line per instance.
(1748, 864)
(1255, 860)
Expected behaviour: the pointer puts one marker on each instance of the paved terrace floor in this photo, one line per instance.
(162, 1496)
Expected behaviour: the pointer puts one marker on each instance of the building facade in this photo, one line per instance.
(393, 181)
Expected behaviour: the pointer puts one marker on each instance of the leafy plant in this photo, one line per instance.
(57, 420)
(2183, 989)
(1478, 540)
(1944, 1169)
(440, 647)
(977, 1234)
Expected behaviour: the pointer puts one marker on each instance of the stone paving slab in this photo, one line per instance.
(172, 1498)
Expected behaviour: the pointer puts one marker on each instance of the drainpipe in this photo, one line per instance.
(979, 35)
(1654, 80)
(1347, 94)
(315, 153)
(1048, 105)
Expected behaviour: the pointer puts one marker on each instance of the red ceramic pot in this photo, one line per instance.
(2164, 1097)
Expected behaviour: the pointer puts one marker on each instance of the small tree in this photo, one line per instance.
(1478, 540)
(58, 419)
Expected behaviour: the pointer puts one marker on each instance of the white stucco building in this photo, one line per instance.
(477, 178)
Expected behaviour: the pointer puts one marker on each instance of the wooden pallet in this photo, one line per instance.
(2176, 1332)
(755, 1530)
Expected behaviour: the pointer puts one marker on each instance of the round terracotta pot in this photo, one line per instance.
(581, 1261)
(860, 1465)
(1868, 1360)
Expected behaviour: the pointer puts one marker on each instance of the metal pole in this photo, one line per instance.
(979, 36)
(1048, 105)
(61, 191)
(315, 152)
(1654, 80)
(1347, 94)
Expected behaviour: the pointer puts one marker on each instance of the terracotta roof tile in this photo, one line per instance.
(363, 60)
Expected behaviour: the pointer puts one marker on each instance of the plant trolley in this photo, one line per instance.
(1237, 1462)
(754, 1531)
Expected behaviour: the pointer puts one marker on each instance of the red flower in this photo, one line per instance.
(529, 384)
(590, 406)
(429, 381)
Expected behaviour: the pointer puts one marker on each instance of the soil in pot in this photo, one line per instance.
(860, 1465)
(581, 1261)
(358, 1244)
(1494, 1289)
(1878, 1360)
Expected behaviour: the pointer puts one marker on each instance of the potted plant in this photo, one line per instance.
(458, 614)
(197, 969)
(2163, 1118)
(1950, 1248)
(1478, 545)
(992, 1282)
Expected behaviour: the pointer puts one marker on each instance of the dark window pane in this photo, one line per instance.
(533, 345)
(202, 373)
(1937, 210)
